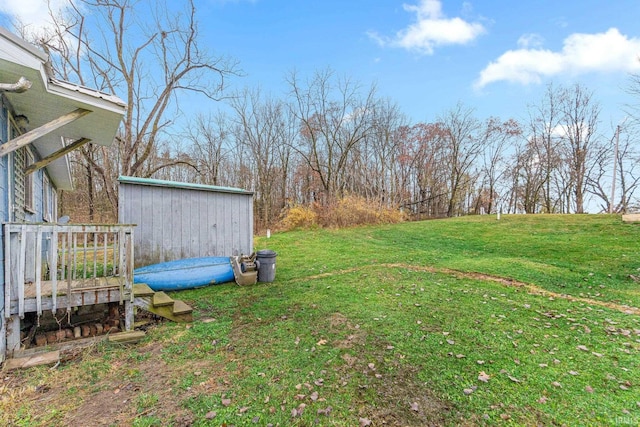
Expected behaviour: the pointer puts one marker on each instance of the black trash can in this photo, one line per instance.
(267, 265)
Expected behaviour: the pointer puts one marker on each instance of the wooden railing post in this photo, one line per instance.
(29, 287)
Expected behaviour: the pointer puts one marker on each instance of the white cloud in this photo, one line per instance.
(581, 53)
(33, 13)
(431, 29)
(527, 41)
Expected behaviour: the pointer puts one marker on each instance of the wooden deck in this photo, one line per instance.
(50, 266)
(80, 292)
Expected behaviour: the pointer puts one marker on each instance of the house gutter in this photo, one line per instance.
(22, 85)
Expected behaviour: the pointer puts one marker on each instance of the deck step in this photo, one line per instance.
(160, 299)
(180, 307)
(142, 290)
(161, 304)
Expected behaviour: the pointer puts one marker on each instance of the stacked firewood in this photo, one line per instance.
(70, 331)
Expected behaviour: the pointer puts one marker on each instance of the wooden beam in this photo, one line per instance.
(130, 337)
(54, 156)
(32, 135)
(48, 358)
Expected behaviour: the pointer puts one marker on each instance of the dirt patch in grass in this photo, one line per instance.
(529, 287)
(402, 401)
(389, 392)
(118, 400)
(396, 397)
(339, 322)
(130, 390)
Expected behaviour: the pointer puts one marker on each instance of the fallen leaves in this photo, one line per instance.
(326, 411)
(297, 412)
(484, 377)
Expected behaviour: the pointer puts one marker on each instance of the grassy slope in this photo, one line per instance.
(359, 326)
(565, 253)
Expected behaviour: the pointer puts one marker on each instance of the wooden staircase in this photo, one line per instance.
(161, 304)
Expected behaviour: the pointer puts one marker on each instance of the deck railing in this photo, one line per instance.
(52, 266)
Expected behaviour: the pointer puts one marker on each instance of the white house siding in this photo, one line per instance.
(4, 216)
(180, 220)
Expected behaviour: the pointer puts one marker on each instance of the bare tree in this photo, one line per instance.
(580, 120)
(373, 171)
(334, 118)
(212, 143)
(148, 60)
(463, 145)
(265, 131)
(544, 147)
(627, 157)
(425, 169)
(499, 137)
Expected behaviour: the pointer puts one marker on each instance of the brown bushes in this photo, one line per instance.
(348, 211)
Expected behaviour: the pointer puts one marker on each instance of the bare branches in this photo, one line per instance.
(147, 62)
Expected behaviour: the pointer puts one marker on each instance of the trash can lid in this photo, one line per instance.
(266, 253)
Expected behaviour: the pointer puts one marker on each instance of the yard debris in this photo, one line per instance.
(296, 412)
(325, 411)
(484, 377)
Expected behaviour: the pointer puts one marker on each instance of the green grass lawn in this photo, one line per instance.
(396, 325)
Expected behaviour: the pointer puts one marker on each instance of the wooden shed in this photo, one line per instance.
(178, 220)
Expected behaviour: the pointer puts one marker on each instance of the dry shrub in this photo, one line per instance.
(349, 211)
(299, 217)
(354, 210)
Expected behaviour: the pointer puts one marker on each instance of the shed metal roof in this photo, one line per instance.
(185, 185)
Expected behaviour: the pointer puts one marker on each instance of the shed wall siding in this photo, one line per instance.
(175, 223)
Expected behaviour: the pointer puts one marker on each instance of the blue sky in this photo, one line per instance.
(427, 55)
